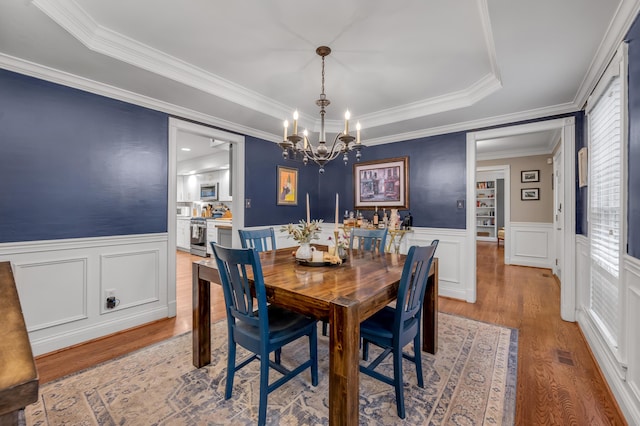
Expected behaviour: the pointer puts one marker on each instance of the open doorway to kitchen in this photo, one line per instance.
(554, 243)
(214, 139)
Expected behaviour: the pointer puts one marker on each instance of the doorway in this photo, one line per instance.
(565, 244)
(176, 126)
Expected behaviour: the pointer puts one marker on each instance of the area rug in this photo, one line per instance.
(471, 381)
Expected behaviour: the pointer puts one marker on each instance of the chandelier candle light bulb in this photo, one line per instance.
(308, 212)
(286, 127)
(357, 132)
(347, 116)
(295, 122)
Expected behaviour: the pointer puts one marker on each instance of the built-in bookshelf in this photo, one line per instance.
(486, 210)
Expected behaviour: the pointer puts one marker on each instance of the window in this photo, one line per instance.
(605, 116)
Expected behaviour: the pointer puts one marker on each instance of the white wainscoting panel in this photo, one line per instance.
(61, 284)
(623, 379)
(632, 280)
(133, 276)
(531, 244)
(583, 274)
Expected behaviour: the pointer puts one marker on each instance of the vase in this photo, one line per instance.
(342, 253)
(304, 252)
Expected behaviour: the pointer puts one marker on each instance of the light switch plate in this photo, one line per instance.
(247, 203)
(460, 204)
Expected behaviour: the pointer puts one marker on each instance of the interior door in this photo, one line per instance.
(558, 214)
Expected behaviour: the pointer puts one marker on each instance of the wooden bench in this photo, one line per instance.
(18, 374)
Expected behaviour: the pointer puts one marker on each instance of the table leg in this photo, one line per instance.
(201, 319)
(430, 312)
(344, 373)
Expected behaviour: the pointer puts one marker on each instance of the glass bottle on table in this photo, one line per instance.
(376, 218)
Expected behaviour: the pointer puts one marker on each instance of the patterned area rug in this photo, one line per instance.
(471, 381)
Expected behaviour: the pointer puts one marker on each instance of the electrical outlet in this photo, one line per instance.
(110, 298)
(247, 203)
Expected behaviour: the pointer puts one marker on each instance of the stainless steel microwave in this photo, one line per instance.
(209, 191)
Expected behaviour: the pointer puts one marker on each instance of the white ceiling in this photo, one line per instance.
(405, 69)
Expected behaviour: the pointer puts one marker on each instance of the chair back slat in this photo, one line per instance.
(368, 239)
(259, 239)
(413, 284)
(233, 265)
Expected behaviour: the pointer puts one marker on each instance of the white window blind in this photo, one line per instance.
(605, 207)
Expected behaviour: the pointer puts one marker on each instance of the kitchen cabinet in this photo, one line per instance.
(180, 188)
(225, 237)
(212, 236)
(224, 185)
(183, 237)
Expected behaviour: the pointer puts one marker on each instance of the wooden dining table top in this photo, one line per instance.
(363, 277)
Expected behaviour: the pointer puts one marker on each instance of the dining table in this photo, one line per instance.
(342, 294)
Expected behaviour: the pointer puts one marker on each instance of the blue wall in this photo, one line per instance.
(74, 164)
(437, 178)
(633, 207)
(437, 174)
(582, 227)
(261, 161)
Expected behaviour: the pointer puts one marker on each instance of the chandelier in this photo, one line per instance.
(296, 147)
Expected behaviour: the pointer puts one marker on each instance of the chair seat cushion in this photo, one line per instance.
(281, 323)
(379, 324)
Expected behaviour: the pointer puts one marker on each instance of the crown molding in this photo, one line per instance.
(618, 27)
(77, 22)
(475, 125)
(66, 79)
(512, 153)
(463, 98)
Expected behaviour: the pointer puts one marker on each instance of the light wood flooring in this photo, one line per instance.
(558, 380)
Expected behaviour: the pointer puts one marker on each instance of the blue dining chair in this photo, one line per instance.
(392, 328)
(258, 239)
(368, 239)
(263, 331)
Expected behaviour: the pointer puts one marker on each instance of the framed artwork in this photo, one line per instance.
(582, 167)
(287, 186)
(530, 176)
(529, 194)
(381, 183)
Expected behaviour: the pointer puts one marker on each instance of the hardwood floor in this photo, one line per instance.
(558, 380)
(559, 383)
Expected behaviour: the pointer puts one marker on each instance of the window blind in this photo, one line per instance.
(605, 207)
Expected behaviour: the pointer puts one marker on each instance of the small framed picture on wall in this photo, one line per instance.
(530, 194)
(287, 186)
(530, 176)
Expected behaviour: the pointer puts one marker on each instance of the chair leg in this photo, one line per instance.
(231, 368)
(417, 357)
(324, 328)
(365, 350)
(313, 352)
(264, 389)
(397, 380)
(278, 355)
